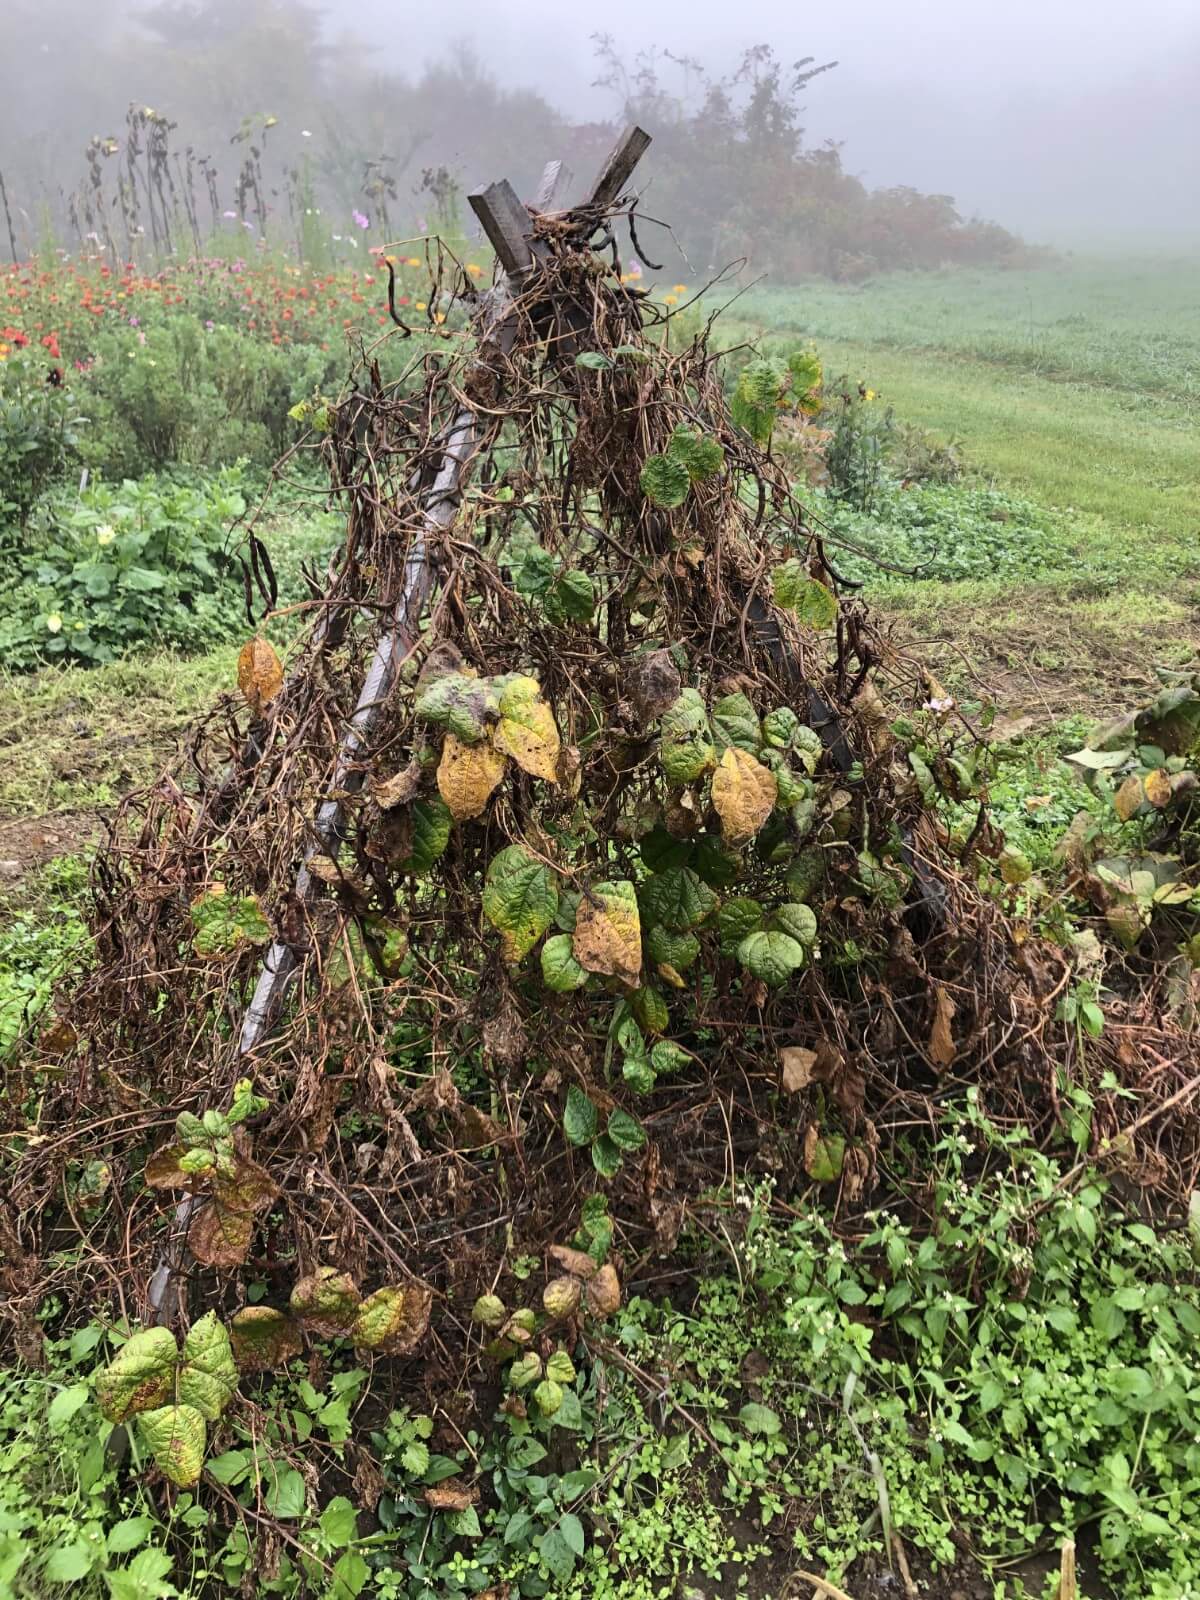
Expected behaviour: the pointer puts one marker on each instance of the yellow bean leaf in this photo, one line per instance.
(466, 776)
(527, 731)
(1158, 787)
(608, 933)
(1128, 797)
(260, 674)
(744, 793)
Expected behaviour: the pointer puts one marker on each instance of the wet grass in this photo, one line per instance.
(1076, 386)
(1132, 325)
(76, 739)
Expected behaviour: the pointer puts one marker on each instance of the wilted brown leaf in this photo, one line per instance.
(856, 1174)
(399, 789)
(393, 1320)
(467, 774)
(249, 1187)
(1076, 847)
(370, 1485)
(505, 1038)
(219, 1237)
(797, 1066)
(163, 1170)
(326, 870)
(412, 1326)
(941, 1040)
(1128, 797)
(608, 932)
(58, 1037)
(744, 793)
(604, 1292)
(263, 1338)
(326, 1301)
(652, 683)
(477, 1128)
(260, 674)
(450, 1496)
(438, 1092)
(1157, 785)
(576, 1262)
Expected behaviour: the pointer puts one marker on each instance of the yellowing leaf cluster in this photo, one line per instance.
(469, 773)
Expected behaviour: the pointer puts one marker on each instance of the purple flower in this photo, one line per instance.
(359, 220)
(134, 322)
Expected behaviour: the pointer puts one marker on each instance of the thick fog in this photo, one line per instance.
(1068, 121)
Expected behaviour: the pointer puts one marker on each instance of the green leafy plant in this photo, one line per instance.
(39, 431)
(126, 566)
(1144, 769)
(766, 386)
(690, 458)
(860, 438)
(211, 1156)
(1029, 1366)
(65, 1514)
(620, 1133)
(182, 394)
(173, 1395)
(39, 946)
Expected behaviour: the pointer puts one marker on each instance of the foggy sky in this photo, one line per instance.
(1073, 122)
(1069, 120)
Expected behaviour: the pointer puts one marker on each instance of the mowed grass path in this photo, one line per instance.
(1129, 459)
(1133, 325)
(1077, 385)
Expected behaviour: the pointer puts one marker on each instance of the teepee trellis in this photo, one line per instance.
(508, 225)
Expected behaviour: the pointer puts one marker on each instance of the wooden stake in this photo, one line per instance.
(618, 167)
(1067, 1587)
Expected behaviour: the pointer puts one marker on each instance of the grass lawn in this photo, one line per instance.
(76, 739)
(1076, 386)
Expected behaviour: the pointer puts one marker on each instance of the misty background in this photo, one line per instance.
(1068, 122)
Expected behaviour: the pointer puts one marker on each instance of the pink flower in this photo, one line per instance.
(359, 220)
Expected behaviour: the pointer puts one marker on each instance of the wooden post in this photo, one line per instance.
(506, 223)
(556, 180)
(618, 167)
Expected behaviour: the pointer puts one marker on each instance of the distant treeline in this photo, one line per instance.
(243, 116)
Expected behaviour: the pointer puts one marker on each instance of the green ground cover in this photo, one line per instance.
(1071, 391)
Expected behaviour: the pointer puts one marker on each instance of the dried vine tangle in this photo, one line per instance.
(414, 1121)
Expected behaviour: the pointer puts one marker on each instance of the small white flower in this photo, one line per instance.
(54, 623)
(105, 534)
(305, 134)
